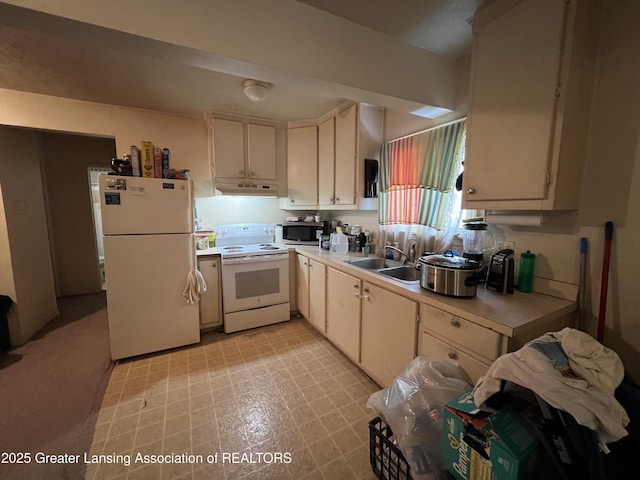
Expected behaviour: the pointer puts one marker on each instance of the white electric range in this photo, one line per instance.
(255, 276)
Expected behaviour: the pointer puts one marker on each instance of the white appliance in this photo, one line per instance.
(255, 276)
(149, 255)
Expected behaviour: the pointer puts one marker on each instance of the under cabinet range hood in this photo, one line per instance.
(246, 188)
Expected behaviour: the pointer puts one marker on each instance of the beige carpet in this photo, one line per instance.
(51, 389)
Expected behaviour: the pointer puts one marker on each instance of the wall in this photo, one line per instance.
(26, 230)
(186, 137)
(399, 123)
(228, 209)
(7, 285)
(66, 159)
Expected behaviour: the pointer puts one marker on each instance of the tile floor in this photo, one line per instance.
(282, 388)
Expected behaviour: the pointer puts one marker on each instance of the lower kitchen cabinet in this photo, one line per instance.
(389, 333)
(311, 291)
(432, 347)
(210, 301)
(377, 326)
(343, 312)
(448, 336)
(302, 286)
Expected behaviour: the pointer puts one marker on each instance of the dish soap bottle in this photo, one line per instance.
(339, 243)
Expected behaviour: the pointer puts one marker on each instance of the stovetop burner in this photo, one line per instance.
(247, 239)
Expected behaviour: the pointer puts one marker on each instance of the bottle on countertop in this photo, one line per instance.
(525, 275)
(362, 240)
(339, 242)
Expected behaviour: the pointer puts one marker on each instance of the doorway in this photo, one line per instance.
(94, 188)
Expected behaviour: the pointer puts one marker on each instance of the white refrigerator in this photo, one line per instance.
(149, 255)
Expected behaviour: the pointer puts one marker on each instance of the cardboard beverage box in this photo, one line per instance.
(489, 446)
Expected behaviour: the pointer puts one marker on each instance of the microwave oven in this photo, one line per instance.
(307, 232)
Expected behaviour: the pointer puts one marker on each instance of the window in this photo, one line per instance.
(418, 202)
(418, 174)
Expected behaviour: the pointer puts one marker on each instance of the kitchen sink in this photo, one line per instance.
(370, 263)
(405, 273)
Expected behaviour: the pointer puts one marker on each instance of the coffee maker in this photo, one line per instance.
(478, 244)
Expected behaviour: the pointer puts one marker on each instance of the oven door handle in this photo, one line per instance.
(254, 259)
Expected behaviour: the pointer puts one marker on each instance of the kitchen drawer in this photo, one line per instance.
(433, 348)
(480, 340)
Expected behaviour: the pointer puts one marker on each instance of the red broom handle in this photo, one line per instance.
(604, 284)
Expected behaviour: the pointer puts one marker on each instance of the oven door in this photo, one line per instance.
(255, 281)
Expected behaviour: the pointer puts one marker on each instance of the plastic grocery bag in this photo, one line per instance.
(413, 406)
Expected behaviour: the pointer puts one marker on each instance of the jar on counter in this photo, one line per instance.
(324, 242)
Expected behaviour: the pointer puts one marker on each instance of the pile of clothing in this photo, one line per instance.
(589, 405)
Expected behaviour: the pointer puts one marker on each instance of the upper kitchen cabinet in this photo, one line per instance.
(532, 74)
(326, 162)
(302, 167)
(244, 156)
(337, 159)
(344, 139)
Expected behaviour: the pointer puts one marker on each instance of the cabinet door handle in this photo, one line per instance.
(305, 264)
(311, 265)
(453, 355)
(337, 199)
(471, 191)
(241, 172)
(252, 174)
(365, 297)
(455, 323)
(355, 285)
(292, 200)
(366, 290)
(357, 295)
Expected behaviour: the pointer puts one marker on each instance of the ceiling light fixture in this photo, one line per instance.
(255, 90)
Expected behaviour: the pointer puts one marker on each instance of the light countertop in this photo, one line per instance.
(505, 314)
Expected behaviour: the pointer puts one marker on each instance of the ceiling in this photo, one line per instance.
(52, 55)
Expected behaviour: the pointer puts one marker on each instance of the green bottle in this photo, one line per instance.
(525, 276)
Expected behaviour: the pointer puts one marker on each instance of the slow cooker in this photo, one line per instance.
(449, 275)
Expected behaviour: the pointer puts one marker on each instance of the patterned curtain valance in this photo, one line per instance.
(417, 175)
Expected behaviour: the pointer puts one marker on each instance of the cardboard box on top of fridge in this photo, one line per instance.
(147, 166)
(489, 446)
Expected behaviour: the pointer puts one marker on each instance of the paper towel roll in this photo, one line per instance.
(526, 220)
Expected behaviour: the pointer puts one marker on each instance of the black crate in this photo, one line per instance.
(386, 459)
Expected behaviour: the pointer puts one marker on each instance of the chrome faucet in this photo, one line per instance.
(410, 257)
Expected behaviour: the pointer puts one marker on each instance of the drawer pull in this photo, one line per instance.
(453, 355)
(455, 323)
